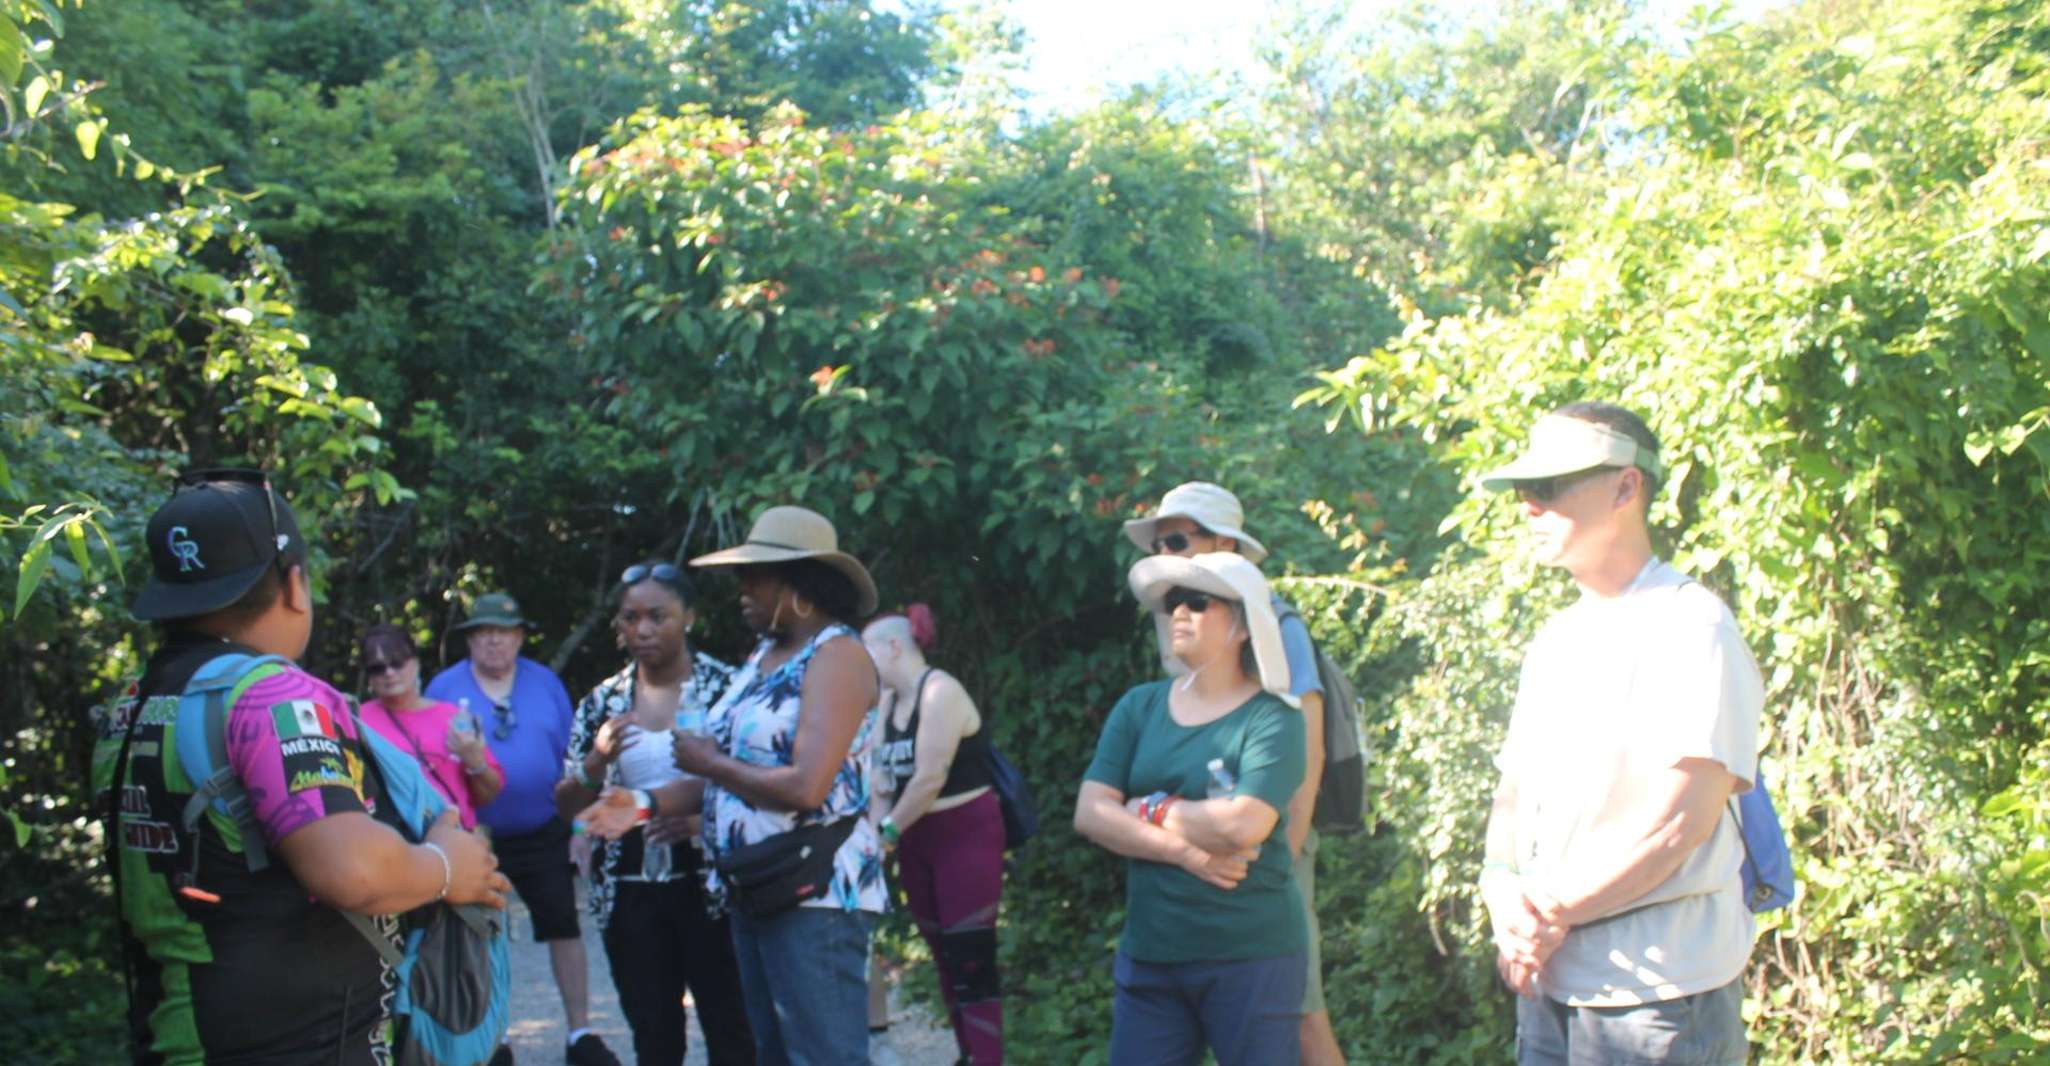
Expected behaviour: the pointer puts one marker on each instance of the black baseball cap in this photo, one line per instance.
(211, 542)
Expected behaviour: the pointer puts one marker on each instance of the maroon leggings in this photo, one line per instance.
(951, 865)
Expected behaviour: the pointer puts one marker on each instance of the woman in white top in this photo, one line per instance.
(647, 888)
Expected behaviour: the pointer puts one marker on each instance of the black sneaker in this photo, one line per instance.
(501, 1057)
(590, 1051)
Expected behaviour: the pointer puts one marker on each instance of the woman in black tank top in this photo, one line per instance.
(943, 822)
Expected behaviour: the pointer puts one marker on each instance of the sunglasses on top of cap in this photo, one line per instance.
(243, 475)
(1196, 602)
(1547, 489)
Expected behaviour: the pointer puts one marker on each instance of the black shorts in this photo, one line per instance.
(538, 866)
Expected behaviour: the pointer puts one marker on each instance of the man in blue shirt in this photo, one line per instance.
(1196, 517)
(524, 712)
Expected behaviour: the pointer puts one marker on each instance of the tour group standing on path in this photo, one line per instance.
(745, 840)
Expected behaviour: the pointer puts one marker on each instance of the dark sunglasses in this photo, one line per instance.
(503, 728)
(245, 476)
(1196, 602)
(667, 573)
(381, 667)
(1547, 489)
(1173, 543)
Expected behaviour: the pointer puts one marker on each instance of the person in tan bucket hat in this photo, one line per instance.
(1191, 783)
(1196, 517)
(782, 780)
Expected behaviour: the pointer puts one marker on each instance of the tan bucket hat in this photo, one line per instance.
(1562, 444)
(1211, 506)
(787, 533)
(1224, 574)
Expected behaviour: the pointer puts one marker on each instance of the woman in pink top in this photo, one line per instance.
(441, 735)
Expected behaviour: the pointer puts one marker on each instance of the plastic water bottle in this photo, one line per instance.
(1222, 784)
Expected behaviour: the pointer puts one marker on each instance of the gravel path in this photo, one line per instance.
(536, 1033)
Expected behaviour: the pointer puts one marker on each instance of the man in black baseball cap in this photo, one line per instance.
(232, 920)
(213, 541)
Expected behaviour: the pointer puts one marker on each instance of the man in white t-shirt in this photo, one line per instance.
(1612, 862)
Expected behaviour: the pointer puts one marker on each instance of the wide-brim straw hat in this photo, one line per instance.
(1230, 576)
(788, 533)
(1211, 506)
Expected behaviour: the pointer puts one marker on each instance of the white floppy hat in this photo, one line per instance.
(1227, 575)
(1562, 444)
(1211, 506)
(781, 534)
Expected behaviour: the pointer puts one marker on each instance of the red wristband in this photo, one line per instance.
(1160, 812)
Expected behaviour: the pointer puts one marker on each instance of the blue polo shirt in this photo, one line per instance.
(532, 750)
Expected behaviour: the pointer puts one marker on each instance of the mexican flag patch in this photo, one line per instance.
(302, 718)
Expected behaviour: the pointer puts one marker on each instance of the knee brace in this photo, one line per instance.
(972, 964)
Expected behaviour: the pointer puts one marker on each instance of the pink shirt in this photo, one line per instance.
(290, 740)
(424, 734)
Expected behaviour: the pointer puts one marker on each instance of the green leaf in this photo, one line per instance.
(13, 50)
(88, 134)
(21, 830)
(74, 535)
(32, 97)
(33, 564)
(113, 553)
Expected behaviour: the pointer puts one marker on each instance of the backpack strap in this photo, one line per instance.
(220, 786)
(373, 766)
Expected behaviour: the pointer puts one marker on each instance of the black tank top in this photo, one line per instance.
(899, 751)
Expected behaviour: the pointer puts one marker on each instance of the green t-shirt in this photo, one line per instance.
(1170, 914)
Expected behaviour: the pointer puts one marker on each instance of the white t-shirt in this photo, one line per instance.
(1611, 691)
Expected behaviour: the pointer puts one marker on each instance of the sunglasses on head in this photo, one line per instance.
(1547, 489)
(668, 573)
(244, 476)
(1196, 602)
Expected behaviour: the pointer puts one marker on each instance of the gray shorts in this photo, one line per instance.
(1704, 1029)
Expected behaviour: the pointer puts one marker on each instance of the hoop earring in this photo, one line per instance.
(800, 607)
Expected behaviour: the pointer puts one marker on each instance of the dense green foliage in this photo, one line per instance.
(513, 293)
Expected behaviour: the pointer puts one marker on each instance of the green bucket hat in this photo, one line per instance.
(493, 609)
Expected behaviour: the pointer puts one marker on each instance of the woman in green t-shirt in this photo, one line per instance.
(1191, 784)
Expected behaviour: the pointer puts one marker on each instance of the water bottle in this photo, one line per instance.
(1222, 783)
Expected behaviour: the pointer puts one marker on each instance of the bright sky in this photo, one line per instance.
(1076, 47)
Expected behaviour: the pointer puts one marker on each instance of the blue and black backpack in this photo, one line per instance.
(453, 1000)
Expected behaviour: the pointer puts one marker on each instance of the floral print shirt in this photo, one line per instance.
(756, 723)
(630, 858)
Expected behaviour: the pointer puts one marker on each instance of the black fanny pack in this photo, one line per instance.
(771, 876)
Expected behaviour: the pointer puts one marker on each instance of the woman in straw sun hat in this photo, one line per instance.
(783, 784)
(1191, 783)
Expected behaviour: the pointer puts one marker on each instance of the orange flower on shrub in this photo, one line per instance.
(822, 377)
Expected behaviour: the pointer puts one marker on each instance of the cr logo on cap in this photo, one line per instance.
(185, 550)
